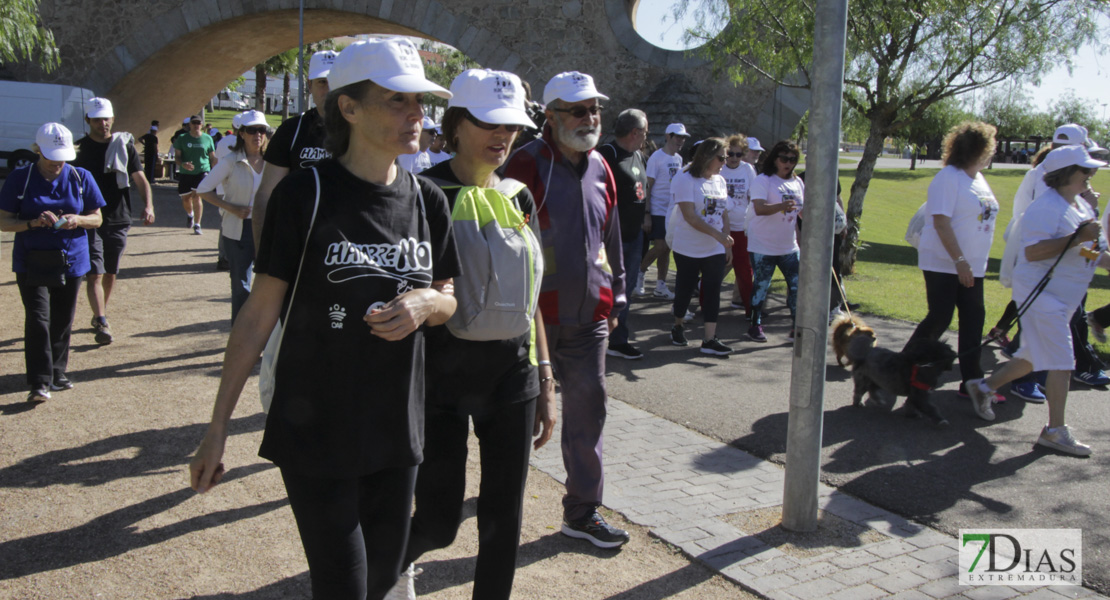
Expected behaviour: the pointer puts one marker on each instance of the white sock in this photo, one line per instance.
(983, 387)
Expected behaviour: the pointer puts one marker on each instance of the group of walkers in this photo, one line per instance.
(357, 280)
(1054, 242)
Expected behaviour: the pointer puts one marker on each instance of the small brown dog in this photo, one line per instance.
(844, 329)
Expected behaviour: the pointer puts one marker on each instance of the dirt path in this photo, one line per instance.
(94, 501)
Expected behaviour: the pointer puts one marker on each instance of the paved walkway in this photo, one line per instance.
(682, 484)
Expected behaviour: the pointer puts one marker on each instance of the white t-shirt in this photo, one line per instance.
(775, 234)
(438, 157)
(973, 210)
(415, 162)
(662, 167)
(1051, 217)
(710, 200)
(223, 147)
(739, 182)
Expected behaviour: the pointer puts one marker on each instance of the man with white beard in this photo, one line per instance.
(583, 286)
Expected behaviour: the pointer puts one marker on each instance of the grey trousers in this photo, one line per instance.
(578, 357)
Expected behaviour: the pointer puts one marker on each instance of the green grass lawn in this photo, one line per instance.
(887, 281)
(221, 119)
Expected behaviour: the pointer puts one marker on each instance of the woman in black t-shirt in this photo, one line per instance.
(357, 278)
(493, 382)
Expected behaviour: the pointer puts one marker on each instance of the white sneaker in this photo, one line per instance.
(404, 588)
(1062, 440)
(638, 290)
(980, 400)
(689, 316)
(661, 291)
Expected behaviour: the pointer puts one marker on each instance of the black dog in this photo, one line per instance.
(911, 373)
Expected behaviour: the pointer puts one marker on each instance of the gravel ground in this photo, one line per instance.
(94, 499)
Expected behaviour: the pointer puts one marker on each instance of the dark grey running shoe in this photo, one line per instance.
(597, 531)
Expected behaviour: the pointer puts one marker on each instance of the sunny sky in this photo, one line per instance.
(1090, 77)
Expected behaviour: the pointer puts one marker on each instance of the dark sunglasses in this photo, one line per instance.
(1087, 170)
(492, 126)
(789, 159)
(581, 111)
(253, 130)
(736, 155)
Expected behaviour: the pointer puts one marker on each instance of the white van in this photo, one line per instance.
(24, 107)
(229, 101)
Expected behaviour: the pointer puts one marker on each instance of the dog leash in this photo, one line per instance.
(1028, 302)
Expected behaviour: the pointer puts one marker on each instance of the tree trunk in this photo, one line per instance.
(871, 151)
(285, 94)
(260, 88)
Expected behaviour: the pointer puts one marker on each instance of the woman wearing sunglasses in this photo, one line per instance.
(702, 244)
(504, 385)
(955, 244)
(240, 173)
(1059, 224)
(776, 204)
(345, 426)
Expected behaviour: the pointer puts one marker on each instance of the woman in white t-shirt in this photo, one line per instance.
(238, 174)
(1059, 224)
(702, 244)
(739, 176)
(956, 241)
(772, 220)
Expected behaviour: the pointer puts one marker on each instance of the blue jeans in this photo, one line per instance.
(763, 267)
(240, 257)
(633, 252)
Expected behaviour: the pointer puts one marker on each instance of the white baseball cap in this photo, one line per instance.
(185, 121)
(1070, 134)
(237, 120)
(100, 108)
(320, 64)
(1066, 156)
(571, 86)
(213, 131)
(753, 144)
(677, 129)
(55, 142)
(495, 97)
(392, 63)
(428, 124)
(252, 117)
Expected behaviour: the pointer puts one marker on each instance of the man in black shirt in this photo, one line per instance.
(112, 160)
(150, 151)
(630, 173)
(298, 143)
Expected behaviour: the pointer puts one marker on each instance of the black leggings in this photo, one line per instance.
(712, 271)
(504, 444)
(945, 295)
(354, 531)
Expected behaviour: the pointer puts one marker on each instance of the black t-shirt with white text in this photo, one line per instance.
(347, 403)
(117, 202)
(471, 376)
(630, 174)
(298, 143)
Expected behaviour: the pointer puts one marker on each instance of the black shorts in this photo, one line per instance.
(186, 183)
(106, 245)
(658, 227)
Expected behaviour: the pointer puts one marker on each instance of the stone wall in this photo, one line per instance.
(163, 59)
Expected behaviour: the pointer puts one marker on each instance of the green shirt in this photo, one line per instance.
(195, 150)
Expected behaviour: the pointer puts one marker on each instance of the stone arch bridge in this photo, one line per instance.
(164, 59)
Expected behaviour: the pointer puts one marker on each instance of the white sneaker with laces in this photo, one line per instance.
(980, 400)
(404, 588)
(661, 291)
(639, 289)
(1061, 439)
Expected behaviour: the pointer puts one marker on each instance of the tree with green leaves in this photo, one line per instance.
(902, 56)
(444, 69)
(283, 65)
(23, 36)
